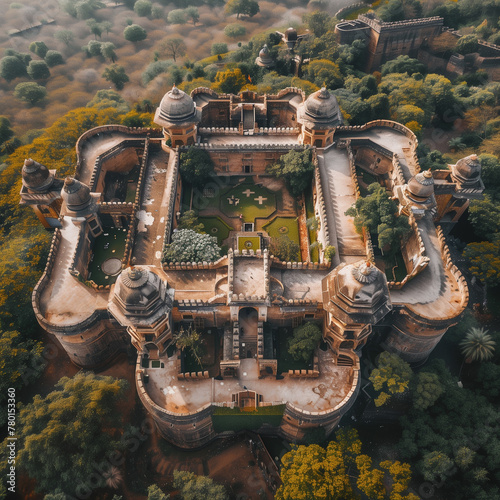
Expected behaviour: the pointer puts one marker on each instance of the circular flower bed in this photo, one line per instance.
(283, 230)
(214, 230)
(248, 244)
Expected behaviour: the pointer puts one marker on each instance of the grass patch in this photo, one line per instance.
(248, 243)
(215, 226)
(285, 360)
(281, 226)
(395, 268)
(234, 419)
(110, 244)
(244, 199)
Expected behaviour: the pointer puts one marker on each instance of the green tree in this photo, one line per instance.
(21, 363)
(190, 340)
(143, 8)
(403, 64)
(53, 58)
(304, 340)
(71, 429)
(484, 215)
(116, 74)
(218, 48)
(39, 48)
(157, 12)
(464, 457)
(12, 67)
(193, 487)
(108, 99)
(5, 131)
(311, 472)
(30, 92)
(196, 166)
(55, 495)
(246, 7)
(484, 260)
(190, 246)
(65, 36)
(284, 248)
(134, 33)
(426, 389)
(467, 44)
(319, 23)
(392, 376)
(378, 213)
(38, 70)
(477, 345)
(490, 173)
(95, 28)
(189, 220)
(235, 30)
(193, 14)
(437, 466)
(399, 10)
(177, 16)
(173, 47)
(155, 493)
(324, 73)
(108, 51)
(330, 252)
(296, 168)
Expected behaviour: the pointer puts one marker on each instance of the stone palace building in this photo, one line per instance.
(106, 289)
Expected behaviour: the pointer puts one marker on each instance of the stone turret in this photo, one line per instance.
(419, 194)
(319, 115)
(178, 116)
(264, 58)
(355, 297)
(140, 302)
(467, 171)
(42, 191)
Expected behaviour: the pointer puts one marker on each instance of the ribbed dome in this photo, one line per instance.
(291, 34)
(468, 168)
(176, 106)
(367, 287)
(265, 60)
(36, 176)
(75, 194)
(322, 107)
(421, 185)
(137, 287)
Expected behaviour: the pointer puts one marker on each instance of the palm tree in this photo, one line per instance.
(477, 345)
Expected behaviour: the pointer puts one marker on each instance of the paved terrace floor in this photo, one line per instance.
(196, 284)
(64, 291)
(340, 194)
(248, 276)
(153, 211)
(95, 146)
(300, 284)
(434, 292)
(310, 394)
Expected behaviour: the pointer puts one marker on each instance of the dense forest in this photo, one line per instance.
(66, 67)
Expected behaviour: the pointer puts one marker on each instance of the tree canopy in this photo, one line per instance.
(305, 339)
(190, 246)
(297, 168)
(196, 166)
(392, 376)
(134, 33)
(30, 92)
(246, 7)
(194, 487)
(116, 74)
(71, 429)
(378, 214)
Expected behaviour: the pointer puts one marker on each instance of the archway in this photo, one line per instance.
(248, 319)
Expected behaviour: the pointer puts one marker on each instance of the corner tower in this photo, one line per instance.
(178, 116)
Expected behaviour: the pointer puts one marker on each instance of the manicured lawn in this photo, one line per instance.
(187, 191)
(248, 243)
(215, 226)
(247, 199)
(288, 226)
(235, 419)
(110, 244)
(395, 268)
(285, 361)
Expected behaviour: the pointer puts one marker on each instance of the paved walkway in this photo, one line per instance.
(340, 194)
